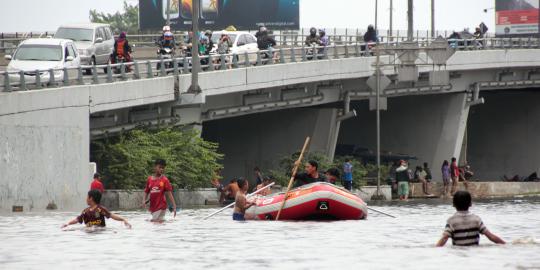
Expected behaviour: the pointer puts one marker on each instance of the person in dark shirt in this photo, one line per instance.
(95, 214)
(311, 175)
(332, 175)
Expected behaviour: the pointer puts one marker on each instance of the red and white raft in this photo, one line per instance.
(316, 201)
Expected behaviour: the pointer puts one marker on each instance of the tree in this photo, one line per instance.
(127, 21)
(126, 161)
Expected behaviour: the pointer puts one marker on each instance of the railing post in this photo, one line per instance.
(136, 72)
(185, 65)
(304, 56)
(259, 60)
(149, 71)
(162, 70)
(356, 50)
(347, 50)
(246, 60)
(66, 77)
(51, 78)
(222, 60)
(336, 53)
(38, 79)
(7, 84)
(293, 56)
(235, 60)
(211, 65)
(80, 79)
(95, 79)
(281, 56)
(22, 81)
(175, 67)
(109, 73)
(123, 71)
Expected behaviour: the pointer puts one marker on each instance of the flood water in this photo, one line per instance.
(35, 240)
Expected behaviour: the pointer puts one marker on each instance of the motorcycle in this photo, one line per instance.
(119, 59)
(166, 54)
(312, 51)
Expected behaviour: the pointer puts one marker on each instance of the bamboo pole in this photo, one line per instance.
(294, 170)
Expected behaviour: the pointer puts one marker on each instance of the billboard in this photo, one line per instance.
(218, 14)
(516, 17)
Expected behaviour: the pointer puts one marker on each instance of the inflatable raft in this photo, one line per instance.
(316, 201)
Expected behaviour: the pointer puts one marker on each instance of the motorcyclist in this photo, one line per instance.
(264, 41)
(313, 38)
(121, 48)
(371, 35)
(210, 44)
(167, 38)
(325, 42)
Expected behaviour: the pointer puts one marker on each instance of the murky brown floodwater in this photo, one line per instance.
(35, 241)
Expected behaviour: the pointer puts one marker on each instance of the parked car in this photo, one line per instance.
(95, 42)
(242, 42)
(43, 54)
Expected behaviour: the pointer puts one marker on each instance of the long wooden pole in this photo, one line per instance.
(294, 170)
(249, 195)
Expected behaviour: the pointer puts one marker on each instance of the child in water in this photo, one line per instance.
(241, 204)
(157, 186)
(463, 227)
(95, 214)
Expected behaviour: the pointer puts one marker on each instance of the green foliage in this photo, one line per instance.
(127, 21)
(126, 161)
(361, 172)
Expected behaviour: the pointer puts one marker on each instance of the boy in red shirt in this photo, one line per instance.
(96, 184)
(95, 214)
(157, 186)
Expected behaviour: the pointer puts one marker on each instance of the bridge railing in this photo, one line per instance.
(22, 80)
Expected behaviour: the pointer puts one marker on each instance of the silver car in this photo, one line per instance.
(37, 56)
(95, 42)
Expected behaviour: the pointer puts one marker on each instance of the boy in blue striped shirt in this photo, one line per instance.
(464, 227)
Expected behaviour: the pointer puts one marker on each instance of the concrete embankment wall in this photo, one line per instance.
(485, 189)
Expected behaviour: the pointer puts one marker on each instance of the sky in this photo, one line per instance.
(46, 15)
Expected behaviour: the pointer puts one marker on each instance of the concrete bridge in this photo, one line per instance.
(261, 112)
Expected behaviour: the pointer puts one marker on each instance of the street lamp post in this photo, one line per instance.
(195, 60)
(432, 18)
(168, 10)
(391, 26)
(376, 16)
(410, 33)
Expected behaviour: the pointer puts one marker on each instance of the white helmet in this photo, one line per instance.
(166, 28)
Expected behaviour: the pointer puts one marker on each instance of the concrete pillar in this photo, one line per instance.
(263, 139)
(44, 149)
(453, 130)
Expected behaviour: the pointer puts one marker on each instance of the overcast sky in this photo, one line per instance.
(43, 15)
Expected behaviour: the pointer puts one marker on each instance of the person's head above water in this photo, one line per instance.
(311, 167)
(96, 176)
(462, 200)
(94, 197)
(159, 166)
(243, 184)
